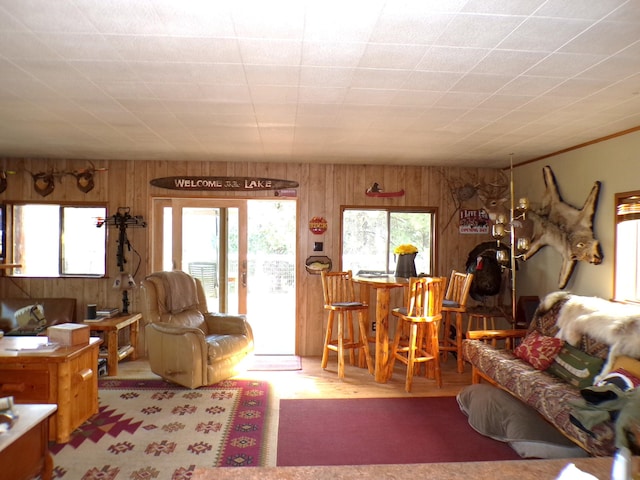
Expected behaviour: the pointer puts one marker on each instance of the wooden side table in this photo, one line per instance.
(66, 377)
(24, 449)
(110, 327)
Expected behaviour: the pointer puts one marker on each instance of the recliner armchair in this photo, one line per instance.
(187, 344)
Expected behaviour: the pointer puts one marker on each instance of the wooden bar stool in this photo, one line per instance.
(455, 304)
(339, 297)
(422, 315)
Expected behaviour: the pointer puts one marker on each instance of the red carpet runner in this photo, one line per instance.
(381, 431)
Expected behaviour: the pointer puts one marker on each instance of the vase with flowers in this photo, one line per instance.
(405, 255)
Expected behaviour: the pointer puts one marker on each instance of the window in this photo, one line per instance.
(627, 251)
(369, 235)
(49, 240)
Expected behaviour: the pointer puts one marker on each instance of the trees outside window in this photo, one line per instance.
(370, 234)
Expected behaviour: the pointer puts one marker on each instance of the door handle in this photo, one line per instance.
(243, 274)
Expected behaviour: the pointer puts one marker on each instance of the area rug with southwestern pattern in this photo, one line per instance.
(150, 429)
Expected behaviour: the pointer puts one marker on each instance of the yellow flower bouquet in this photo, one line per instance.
(405, 249)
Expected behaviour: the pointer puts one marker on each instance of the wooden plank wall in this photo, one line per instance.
(323, 189)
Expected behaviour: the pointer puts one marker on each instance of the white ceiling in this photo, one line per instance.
(426, 82)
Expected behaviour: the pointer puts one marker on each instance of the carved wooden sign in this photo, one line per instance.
(223, 184)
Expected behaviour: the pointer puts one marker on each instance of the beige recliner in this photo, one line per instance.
(188, 345)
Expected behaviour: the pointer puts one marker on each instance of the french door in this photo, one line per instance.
(243, 252)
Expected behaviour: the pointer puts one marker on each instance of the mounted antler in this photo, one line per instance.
(84, 178)
(43, 182)
(494, 196)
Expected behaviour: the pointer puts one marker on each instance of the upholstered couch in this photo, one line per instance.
(187, 344)
(32, 316)
(551, 396)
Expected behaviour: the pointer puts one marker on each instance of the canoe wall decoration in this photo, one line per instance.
(225, 184)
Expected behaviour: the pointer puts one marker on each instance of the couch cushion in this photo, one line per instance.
(576, 367)
(538, 350)
(549, 395)
(497, 414)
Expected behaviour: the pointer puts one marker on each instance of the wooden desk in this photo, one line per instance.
(110, 328)
(24, 449)
(67, 377)
(383, 285)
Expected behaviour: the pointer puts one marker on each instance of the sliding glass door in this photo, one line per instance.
(243, 252)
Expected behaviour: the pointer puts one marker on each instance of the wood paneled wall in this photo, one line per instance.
(323, 189)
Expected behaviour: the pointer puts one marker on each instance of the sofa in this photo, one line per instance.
(187, 344)
(32, 316)
(553, 397)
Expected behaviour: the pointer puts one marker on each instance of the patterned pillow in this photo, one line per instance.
(538, 350)
(576, 367)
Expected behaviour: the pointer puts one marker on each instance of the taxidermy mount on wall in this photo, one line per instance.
(565, 228)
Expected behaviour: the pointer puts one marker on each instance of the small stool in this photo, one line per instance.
(482, 318)
(339, 298)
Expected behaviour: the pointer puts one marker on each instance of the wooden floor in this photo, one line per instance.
(314, 382)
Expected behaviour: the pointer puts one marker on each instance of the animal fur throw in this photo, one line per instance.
(611, 323)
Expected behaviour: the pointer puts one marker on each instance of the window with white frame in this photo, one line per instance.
(370, 234)
(51, 240)
(627, 251)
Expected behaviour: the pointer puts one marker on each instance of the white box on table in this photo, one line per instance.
(69, 334)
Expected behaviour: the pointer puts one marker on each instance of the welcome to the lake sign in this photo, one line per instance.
(244, 184)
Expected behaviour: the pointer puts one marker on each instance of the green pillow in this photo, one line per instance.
(575, 367)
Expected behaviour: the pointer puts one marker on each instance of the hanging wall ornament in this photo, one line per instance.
(318, 225)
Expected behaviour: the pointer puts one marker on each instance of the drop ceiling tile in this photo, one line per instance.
(452, 59)
(332, 54)
(392, 56)
(122, 16)
(38, 16)
(578, 9)
(481, 83)
(335, 95)
(500, 7)
(506, 62)
(340, 21)
(480, 31)
(379, 79)
(544, 34)
(270, 51)
(272, 75)
(604, 38)
(432, 81)
(402, 28)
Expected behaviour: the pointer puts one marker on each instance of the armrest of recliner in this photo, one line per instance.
(171, 329)
(509, 336)
(227, 324)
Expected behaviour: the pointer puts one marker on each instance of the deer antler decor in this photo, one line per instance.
(44, 182)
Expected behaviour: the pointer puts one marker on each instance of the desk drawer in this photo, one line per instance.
(26, 386)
